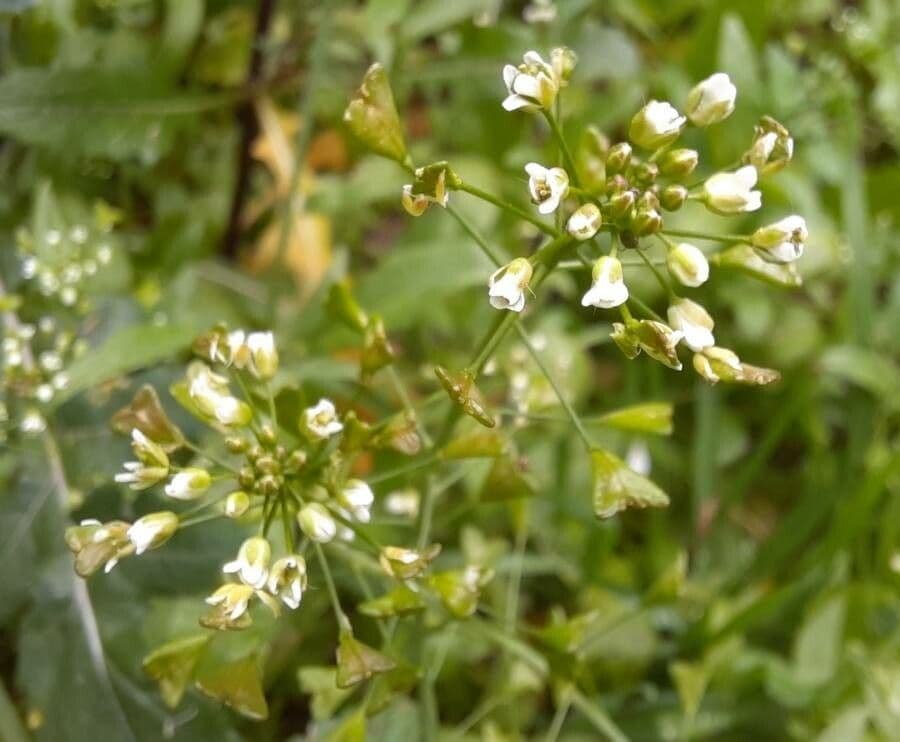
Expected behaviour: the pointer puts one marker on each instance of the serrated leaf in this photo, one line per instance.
(617, 488)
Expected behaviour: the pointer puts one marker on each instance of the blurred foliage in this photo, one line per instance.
(761, 604)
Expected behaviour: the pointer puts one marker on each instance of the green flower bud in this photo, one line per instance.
(317, 523)
(236, 504)
(644, 174)
(679, 163)
(153, 530)
(236, 444)
(621, 204)
(404, 564)
(618, 159)
(563, 61)
(673, 197)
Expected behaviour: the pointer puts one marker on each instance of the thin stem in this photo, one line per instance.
(564, 148)
(343, 621)
(559, 718)
(188, 522)
(408, 405)
(402, 470)
(597, 717)
(644, 308)
(426, 514)
(556, 388)
(287, 526)
(207, 455)
(666, 286)
(475, 235)
(511, 208)
(318, 54)
(706, 235)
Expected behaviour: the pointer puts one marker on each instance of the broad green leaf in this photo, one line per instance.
(818, 645)
(128, 350)
(617, 488)
(94, 111)
(172, 665)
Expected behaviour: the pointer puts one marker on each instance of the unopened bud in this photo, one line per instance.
(679, 163)
(645, 173)
(236, 504)
(618, 158)
(563, 61)
(152, 530)
(317, 523)
(655, 125)
(621, 204)
(236, 444)
(673, 197)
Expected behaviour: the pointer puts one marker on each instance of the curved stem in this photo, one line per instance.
(511, 208)
(564, 148)
(706, 235)
(475, 235)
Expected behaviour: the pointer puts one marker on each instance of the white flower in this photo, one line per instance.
(656, 124)
(356, 500)
(507, 285)
(263, 354)
(772, 148)
(539, 11)
(731, 193)
(188, 484)
(584, 222)
(694, 323)
(209, 392)
(317, 523)
(531, 85)
(688, 264)
(608, 287)
(404, 503)
(152, 530)
(783, 241)
(252, 563)
(151, 467)
(320, 422)
(548, 186)
(287, 580)
(711, 100)
(234, 600)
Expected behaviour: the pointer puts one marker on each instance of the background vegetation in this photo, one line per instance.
(762, 604)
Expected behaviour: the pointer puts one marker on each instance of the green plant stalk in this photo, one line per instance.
(511, 208)
(564, 148)
(343, 621)
(706, 235)
(475, 235)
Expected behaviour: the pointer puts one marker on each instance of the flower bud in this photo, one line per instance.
(236, 444)
(731, 193)
(772, 147)
(231, 602)
(415, 204)
(209, 393)
(687, 265)
(584, 222)
(608, 287)
(783, 241)
(188, 484)
(263, 355)
(355, 501)
(711, 100)
(252, 563)
(320, 421)
(673, 197)
(655, 125)
(236, 504)
(618, 158)
(694, 323)
(645, 222)
(317, 523)
(548, 186)
(621, 204)
(644, 174)
(507, 285)
(720, 364)
(563, 61)
(152, 530)
(531, 86)
(287, 580)
(296, 461)
(679, 163)
(151, 467)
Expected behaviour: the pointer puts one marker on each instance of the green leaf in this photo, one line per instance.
(321, 684)
(431, 16)
(129, 349)
(738, 57)
(94, 111)
(818, 645)
(617, 488)
(866, 368)
(237, 684)
(172, 665)
(352, 729)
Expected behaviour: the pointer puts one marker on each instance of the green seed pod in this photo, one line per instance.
(268, 485)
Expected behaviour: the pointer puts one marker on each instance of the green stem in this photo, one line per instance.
(666, 286)
(205, 454)
(343, 621)
(288, 527)
(511, 208)
(645, 309)
(597, 717)
(570, 411)
(427, 460)
(706, 235)
(564, 148)
(475, 235)
(559, 718)
(397, 383)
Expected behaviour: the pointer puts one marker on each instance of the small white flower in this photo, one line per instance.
(234, 599)
(608, 287)
(711, 100)
(539, 11)
(507, 285)
(584, 222)
(356, 500)
(317, 523)
(688, 264)
(152, 530)
(656, 124)
(694, 323)
(404, 503)
(287, 580)
(188, 484)
(531, 85)
(320, 421)
(209, 392)
(637, 458)
(263, 354)
(548, 186)
(252, 563)
(731, 193)
(772, 147)
(783, 241)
